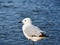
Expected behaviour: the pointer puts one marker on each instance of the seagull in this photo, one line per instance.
(31, 31)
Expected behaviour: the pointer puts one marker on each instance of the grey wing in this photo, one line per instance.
(32, 31)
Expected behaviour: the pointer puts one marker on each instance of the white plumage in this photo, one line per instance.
(30, 31)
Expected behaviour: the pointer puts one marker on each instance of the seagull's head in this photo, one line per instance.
(26, 21)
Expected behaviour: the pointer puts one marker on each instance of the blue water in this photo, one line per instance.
(44, 13)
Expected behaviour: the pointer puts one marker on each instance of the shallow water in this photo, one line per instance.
(44, 13)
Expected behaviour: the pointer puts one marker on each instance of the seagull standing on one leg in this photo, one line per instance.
(32, 32)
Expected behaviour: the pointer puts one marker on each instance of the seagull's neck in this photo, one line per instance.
(27, 24)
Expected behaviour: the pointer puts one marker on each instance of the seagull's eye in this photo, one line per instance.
(25, 20)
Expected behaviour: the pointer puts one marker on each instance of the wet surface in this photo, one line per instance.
(44, 13)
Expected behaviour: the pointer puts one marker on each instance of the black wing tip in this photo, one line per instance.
(43, 35)
(46, 36)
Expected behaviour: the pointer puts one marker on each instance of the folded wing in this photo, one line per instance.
(33, 31)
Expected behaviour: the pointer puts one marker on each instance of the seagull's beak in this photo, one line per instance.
(20, 22)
